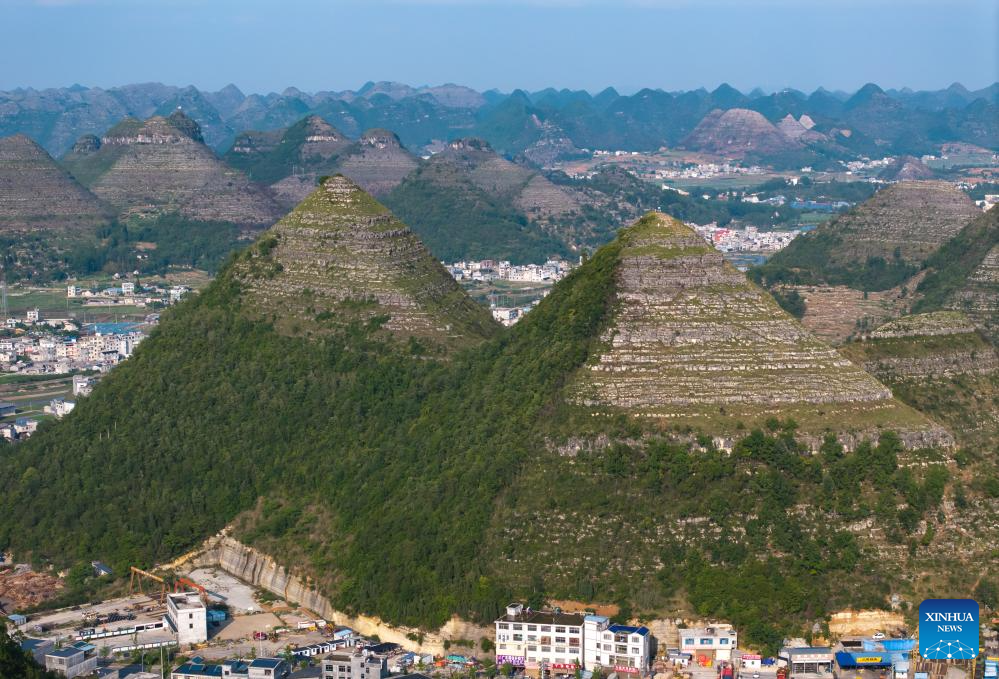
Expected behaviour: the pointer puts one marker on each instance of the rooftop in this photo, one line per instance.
(186, 600)
(544, 618)
(65, 652)
(199, 669)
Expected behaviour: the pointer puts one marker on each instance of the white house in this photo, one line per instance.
(714, 643)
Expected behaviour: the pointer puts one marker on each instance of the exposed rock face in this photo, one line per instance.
(342, 257)
(37, 194)
(933, 345)
(262, 570)
(690, 337)
(938, 363)
(377, 162)
(160, 165)
(906, 168)
(737, 132)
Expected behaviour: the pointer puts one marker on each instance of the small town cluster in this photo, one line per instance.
(485, 270)
(746, 239)
(128, 293)
(529, 644)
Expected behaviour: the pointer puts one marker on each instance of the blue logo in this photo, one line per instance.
(948, 629)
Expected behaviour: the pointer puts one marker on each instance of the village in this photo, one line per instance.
(48, 359)
(208, 623)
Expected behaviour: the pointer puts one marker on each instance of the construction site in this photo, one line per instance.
(221, 616)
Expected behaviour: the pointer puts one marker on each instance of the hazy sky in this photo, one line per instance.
(339, 44)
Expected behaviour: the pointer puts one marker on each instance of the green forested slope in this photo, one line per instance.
(394, 480)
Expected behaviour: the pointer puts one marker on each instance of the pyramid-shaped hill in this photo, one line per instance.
(307, 148)
(736, 132)
(37, 194)
(692, 341)
(964, 275)
(341, 257)
(528, 190)
(467, 201)
(377, 162)
(882, 241)
(162, 165)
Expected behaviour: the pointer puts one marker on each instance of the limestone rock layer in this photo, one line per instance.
(37, 194)
(160, 165)
(690, 334)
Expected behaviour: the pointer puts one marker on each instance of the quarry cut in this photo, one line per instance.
(342, 257)
(691, 336)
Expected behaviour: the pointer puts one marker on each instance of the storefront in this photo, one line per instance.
(549, 670)
(516, 661)
(808, 660)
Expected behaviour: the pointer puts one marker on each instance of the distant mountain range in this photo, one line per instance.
(543, 125)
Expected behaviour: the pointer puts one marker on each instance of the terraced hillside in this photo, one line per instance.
(290, 160)
(964, 275)
(738, 132)
(938, 363)
(378, 162)
(36, 194)
(340, 257)
(880, 243)
(161, 166)
(691, 340)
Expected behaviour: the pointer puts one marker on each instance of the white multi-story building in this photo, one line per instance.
(715, 643)
(545, 643)
(550, 644)
(188, 617)
(616, 648)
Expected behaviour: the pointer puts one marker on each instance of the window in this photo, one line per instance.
(518, 627)
(191, 626)
(532, 637)
(688, 641)
(574, 650)
(723, 641)
(546, 649)
(503, 625)
(532, 628)
(532, 648)
(560, 630)
(635, 651)
(607, 647)
(705, 642)
(518, 637)
(559, 640)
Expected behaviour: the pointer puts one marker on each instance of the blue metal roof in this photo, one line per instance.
(266, 662)
(65, 652)
(628, 629)
(200, 669)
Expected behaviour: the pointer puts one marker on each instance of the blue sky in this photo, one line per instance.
(339, 44)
